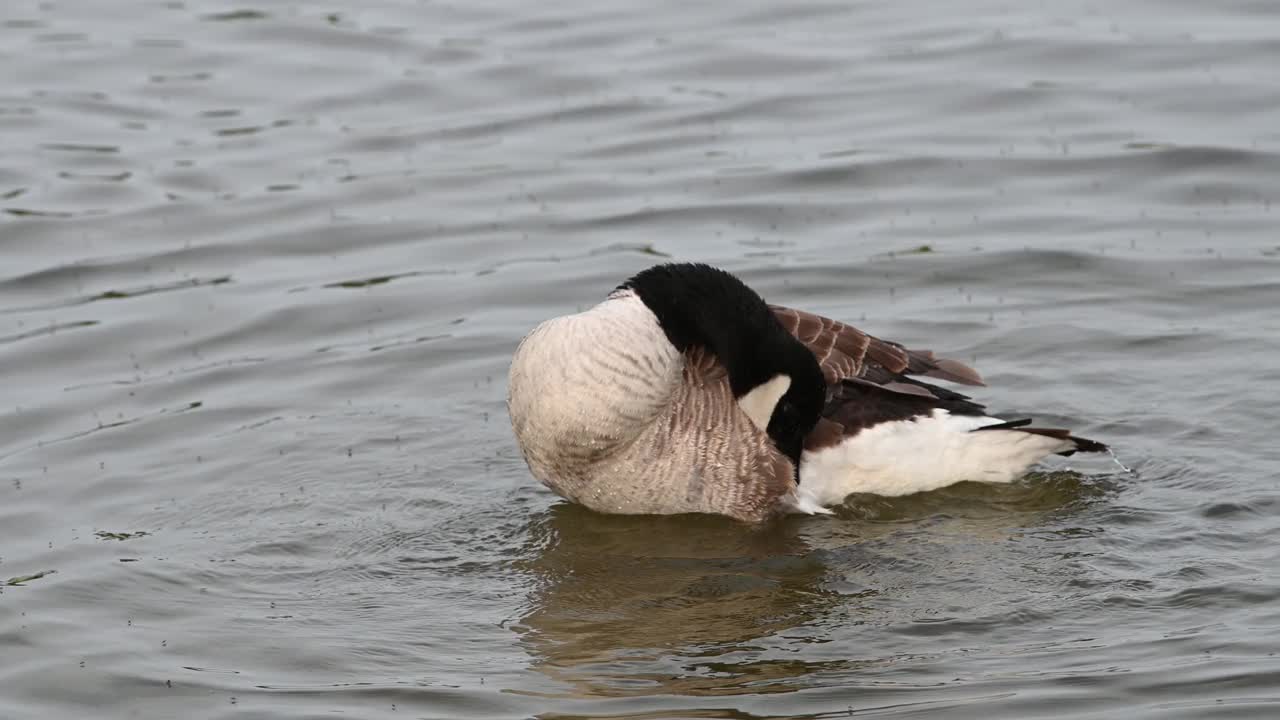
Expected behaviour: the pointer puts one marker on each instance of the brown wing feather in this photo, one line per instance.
(870, 383)
(845, 353)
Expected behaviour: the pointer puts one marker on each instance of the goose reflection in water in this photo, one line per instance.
(691, 605)
(687, 605)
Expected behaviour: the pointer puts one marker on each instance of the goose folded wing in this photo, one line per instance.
(846, 353)
(871, 381)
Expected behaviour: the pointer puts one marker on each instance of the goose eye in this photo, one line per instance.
(786, 410)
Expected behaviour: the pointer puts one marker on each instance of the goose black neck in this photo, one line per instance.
(701, 306)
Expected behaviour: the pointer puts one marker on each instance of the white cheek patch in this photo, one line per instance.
(760, 402)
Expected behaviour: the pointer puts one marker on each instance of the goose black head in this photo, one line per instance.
(775, 378)
(786, 390)
(799, 408)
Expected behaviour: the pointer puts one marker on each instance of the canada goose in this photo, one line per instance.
(684, 391)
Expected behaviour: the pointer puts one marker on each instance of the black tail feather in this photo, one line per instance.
(1081, 444)
(1010, 425)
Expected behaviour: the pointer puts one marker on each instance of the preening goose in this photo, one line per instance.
(684, 391)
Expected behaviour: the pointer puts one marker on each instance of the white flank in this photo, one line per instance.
(760, 402)
(908, 456)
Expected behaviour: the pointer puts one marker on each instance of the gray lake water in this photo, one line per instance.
(263, 264)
